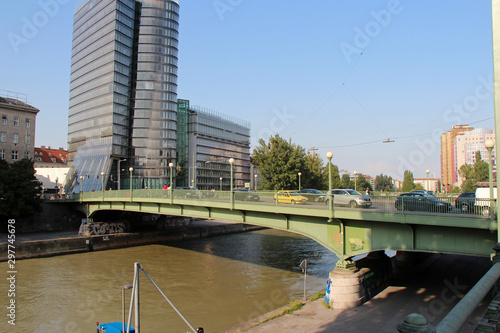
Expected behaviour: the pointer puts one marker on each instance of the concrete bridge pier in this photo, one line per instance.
(351, 283)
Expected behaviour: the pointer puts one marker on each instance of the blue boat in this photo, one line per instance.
(115, 327)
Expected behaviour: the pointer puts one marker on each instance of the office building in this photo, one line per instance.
(448, 161)
(123, 93)
(206, 140)
(466, 144)
(17, 130)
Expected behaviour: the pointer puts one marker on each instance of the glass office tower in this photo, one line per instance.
(123, 93)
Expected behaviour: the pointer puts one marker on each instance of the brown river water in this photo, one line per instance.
(215, 283)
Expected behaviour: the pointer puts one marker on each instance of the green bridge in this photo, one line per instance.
(347, 231)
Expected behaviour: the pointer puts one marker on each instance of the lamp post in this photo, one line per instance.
(125, 286)
(119, 172)
(102, 185)
(355, 180)
(171, 165)
(329, 155)
(489, 144)
(220, 183)
(81, 188)
(255, 183)
(300, 174)
(231, 161)
(427, 172)
(131, 169)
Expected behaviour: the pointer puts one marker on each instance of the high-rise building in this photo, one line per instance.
(123, 92)
(206, 140)
(448, 160)
(17, 130)
(467, 144)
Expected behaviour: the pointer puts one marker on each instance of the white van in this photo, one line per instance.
(483, 198)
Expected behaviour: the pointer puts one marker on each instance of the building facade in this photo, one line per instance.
(17, 129)
(449, 168)
(123, 92)
(466, 144)
(205, 143)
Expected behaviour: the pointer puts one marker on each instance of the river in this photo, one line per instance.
(215, 283)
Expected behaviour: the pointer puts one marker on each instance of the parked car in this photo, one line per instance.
(422, 202)
(348, 197)
(312, 194)
(290, 197)
(246, 195)
(424, 192)
(466, 202)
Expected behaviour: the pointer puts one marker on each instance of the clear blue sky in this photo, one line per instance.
(340, 76)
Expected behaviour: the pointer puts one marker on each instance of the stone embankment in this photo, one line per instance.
(50, 244)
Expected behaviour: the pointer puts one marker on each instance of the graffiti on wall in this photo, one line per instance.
(90, 228)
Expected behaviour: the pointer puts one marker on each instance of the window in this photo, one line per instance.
(4, 120)
(2, 154)
(3, 137)
(14, 155)
(16, 121)
(15, 138)
(28, 124)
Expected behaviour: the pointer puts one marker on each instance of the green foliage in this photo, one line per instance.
(361, 184)
(346, 182)
(335, 177)
(279, 162)
(383, 183)
(408, 181)
(19, 189)
(471, 174)
(313, 175)
(456, 189)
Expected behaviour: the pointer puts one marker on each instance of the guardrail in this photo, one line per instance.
(393, 204)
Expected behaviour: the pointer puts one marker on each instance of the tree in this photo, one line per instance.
(361, 184)
(472, 174)
(480, 169)
(279, 162)
(19, 189)
(408, 181)
(315, 175)
(346, 181)
(383, 183)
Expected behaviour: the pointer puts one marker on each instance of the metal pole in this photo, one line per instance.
(125, 286)
(427, 172)
(102, 186)
(300, 174)
(220, 183)
(495, 13)
(329, 155)
(231, 161)
(171, 183)
(137, 310)
(131, 169)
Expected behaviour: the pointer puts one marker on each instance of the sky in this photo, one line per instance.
(330, 75)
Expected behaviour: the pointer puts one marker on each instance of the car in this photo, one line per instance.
(348, 197)
(245, 194)
(422, 202)
(192, 193)
(312, 194)
(290, 197)
(466, 202)
(424, 192)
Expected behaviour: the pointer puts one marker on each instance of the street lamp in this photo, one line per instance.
(130, 169)
(231, 161)
(81, 187)
(102, 185)
(489, 144)
(355, 180)
(220, 183)
(300, 174)
(255, 183)
(125, 286)
(171, 165)
(329, 155)
(427, 172)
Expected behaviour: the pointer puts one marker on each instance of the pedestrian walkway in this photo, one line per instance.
(432, 292)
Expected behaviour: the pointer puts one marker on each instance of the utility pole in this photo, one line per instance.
(313, 149)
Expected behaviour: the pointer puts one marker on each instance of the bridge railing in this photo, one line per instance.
(392, 204)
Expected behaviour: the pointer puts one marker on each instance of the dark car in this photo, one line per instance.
(245, 195)
(421, 201)
(466, 202)
(192, 193)
(312, 194)
(424, 192)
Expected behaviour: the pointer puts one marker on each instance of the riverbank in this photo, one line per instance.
(46, 244)
(431, 290)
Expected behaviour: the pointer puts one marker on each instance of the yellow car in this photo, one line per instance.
(290, 197)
